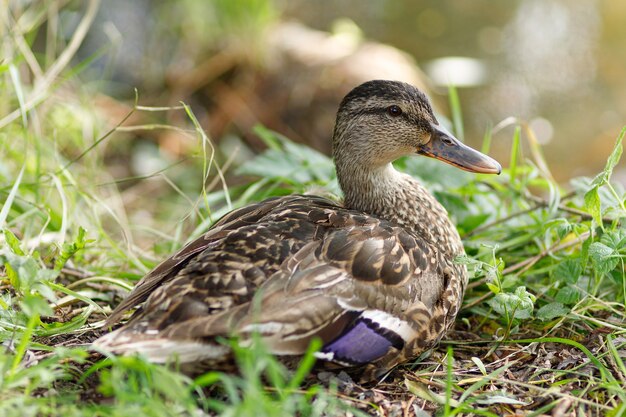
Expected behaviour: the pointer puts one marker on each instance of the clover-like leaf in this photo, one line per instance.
(592, 204)
(604, 258)
(568, 271)
(552, 310)
(517, 305)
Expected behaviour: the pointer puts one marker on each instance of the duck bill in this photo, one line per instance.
(445, 147)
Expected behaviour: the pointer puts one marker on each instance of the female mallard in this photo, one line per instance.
(374, 278)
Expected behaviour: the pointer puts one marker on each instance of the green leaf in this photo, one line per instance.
(568, 271)
(33, 304)
(471, 222)
(598, 180)
(70, 249)
(552, 310)
(603, 257)
(615, 156)
(289, 162)
(561, 226)
(493, 288)
(618, 276)
(509, 281)
(451, 201)
(615, 239)
(14, 279)
(45, 274)
(568, 295)
(592, 204)
(13, 242)
(480, 365)
(520, 303)
(272, 140)
(25, 272)
(584, 252)
(43, 289)
(493, 273)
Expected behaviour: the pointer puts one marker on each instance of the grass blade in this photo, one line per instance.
(4, 213)
(457, 114)
(514, 153)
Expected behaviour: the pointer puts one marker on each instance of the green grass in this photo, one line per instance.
(543, 328)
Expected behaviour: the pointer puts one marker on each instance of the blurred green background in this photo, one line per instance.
(104, 173)
(559, 65)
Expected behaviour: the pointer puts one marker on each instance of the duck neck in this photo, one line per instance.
(388, 194)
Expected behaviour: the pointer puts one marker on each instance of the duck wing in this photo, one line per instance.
(191, 255)
(367, 287)
(364, 290)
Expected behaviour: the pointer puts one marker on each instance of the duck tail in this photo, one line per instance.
(158, 348)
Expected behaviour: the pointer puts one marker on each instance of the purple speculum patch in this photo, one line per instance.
(363, 342)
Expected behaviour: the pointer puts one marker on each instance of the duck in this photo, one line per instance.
(373, 277)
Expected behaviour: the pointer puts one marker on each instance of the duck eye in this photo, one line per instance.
(394, 110)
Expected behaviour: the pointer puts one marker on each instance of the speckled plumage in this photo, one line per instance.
(374, 278)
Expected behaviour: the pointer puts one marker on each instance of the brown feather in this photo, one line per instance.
(298, 267)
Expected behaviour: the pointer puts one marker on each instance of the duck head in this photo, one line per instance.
(381, 121)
